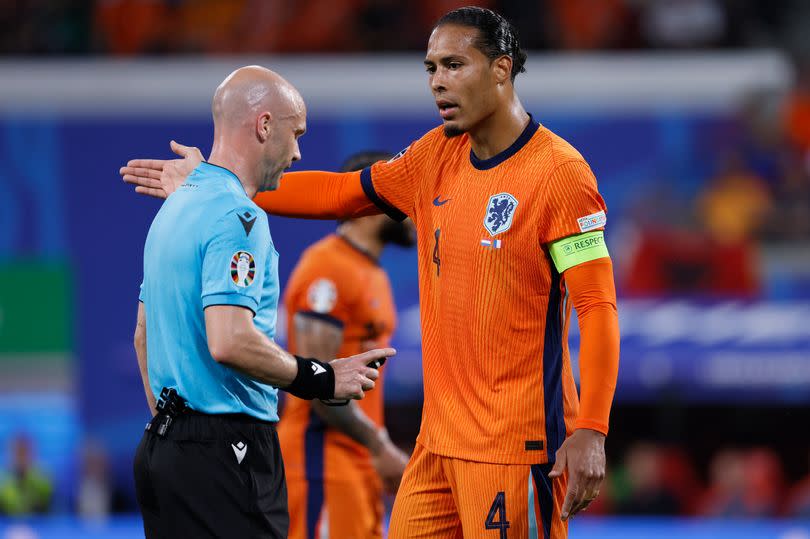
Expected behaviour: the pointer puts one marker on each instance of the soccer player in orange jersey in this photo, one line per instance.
(338, 459)
(510, 238)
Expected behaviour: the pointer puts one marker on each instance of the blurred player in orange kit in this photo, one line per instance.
(339, 458)
(510, 237)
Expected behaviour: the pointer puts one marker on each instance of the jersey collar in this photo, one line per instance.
(359, 249)
(520, 142)
(216, 169)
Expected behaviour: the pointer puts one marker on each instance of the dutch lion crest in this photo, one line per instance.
(500, 211)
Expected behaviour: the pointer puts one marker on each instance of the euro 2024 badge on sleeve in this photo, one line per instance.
(498, 218)
(243, 269)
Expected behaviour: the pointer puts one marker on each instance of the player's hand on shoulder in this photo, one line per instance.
(583, 454)
(160, 177)
(354, 376)
(389, 461)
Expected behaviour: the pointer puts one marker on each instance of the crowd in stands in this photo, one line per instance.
(132, 27)
(758, 195)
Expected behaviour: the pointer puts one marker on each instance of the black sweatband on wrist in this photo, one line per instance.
(315, 380)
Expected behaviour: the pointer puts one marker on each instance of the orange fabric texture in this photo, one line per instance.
(335, 280)
(593, 294)
(317, 195)
(442, 497)
(352, 507)
(497, 374)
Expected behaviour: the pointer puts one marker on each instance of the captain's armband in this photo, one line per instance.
(574, 250)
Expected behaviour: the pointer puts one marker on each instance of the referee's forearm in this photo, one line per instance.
(253, 354)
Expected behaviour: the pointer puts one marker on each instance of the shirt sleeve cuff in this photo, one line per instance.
(372, 195)
(598, 426)
(237, 300)
(329, 319)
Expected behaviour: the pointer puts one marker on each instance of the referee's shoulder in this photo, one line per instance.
(236, 211)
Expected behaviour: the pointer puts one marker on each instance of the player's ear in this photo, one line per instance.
(502, 69)
(264, 126)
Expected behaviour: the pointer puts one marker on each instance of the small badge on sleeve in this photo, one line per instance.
(322, 296)
(243, 268)
(592, 221)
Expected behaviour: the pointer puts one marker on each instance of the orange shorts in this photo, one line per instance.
(346, 508)
(444, 497)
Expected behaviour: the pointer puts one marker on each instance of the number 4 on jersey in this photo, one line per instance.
(499, 508)
(436, 259)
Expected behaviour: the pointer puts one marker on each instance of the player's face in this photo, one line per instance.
(461, 78)
(282, 148)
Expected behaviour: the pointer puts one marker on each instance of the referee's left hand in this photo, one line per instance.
(583, 454)
(353, 376)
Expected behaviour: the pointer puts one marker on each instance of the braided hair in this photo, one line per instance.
(496, 35)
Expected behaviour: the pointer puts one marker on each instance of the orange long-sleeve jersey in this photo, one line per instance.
(339, 284)
(494, 307)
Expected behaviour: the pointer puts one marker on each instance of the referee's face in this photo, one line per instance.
(282, 146)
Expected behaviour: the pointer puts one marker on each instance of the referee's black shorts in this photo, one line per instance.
(212, 476)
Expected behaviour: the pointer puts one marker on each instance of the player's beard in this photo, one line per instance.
(392, 232)
(451, 131)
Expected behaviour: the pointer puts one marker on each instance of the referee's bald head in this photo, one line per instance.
(258, 118)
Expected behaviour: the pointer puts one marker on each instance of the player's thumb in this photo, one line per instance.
(559, 465)
(181, 149)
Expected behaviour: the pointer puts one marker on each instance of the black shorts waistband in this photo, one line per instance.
(197, 426)
(233, 418)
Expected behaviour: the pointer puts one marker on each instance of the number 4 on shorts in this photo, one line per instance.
(498, 508)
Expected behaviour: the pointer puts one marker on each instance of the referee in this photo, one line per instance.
(209, 464)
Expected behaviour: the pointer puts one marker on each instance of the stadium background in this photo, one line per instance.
(694, 115)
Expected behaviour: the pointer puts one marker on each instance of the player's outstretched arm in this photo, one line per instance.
(592, 292)
(318, 195)
(311, 194)
(161, 177)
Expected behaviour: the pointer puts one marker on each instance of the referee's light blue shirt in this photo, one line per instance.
(208, 245)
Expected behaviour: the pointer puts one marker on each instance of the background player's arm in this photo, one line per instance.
(140, 352)
(319, 339)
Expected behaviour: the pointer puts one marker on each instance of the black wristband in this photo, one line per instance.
(315, 380)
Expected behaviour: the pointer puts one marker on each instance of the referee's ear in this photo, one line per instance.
(264, 126)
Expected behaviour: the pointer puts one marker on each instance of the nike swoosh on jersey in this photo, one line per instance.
(437, 202)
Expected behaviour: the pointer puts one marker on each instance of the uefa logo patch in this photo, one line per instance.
(322, 296)
(243, 269)
(500, 212)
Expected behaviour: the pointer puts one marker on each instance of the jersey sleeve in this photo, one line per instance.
(234, 259)
(316, 194)
(321, 289)
(571, 203)
(392, 185)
